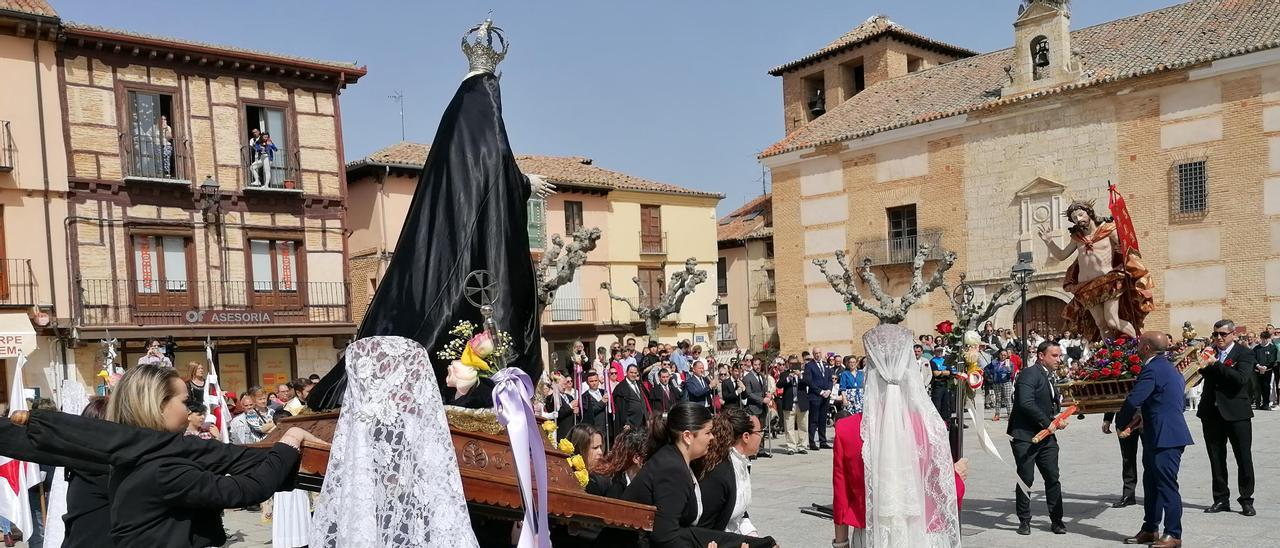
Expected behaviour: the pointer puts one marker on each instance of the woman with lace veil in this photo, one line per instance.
(893, 478)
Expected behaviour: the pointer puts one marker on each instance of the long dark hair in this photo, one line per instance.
(97, 409)
(626, 447)
(684, 416)
(580, 437)
(728, 426)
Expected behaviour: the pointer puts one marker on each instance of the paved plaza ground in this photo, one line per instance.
(1090, 463)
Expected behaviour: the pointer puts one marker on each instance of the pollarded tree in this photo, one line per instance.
(889, 310)
(682, 284)
(560, 261)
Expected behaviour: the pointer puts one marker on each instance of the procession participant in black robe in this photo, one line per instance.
(469, 213)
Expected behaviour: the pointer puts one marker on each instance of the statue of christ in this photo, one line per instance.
(1111, 289)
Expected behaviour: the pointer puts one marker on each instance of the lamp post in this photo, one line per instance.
(1021, 275)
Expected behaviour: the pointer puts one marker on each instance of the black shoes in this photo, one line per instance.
(1059, 528)
(825, 445)
(1246, 509)
(813, 447)
(1218, 507)
(1024, 528)
(1124, 501)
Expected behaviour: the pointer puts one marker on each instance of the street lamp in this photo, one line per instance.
(210, 197)
(1021, 275)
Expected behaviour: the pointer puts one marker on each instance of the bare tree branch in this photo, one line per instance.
(889, 310)
(555, 270)
(682, 284)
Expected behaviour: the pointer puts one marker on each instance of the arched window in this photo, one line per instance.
(1039, 57)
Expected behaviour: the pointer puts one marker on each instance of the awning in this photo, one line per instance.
(17, 337)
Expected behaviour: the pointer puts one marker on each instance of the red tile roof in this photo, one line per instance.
(1173, 38)
(753, 220)
(33, 7)
(73, 29)
(574, 170)
(871, 29)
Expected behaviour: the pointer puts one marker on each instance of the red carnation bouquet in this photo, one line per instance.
(1113, 359)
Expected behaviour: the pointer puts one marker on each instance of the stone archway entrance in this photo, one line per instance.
(1044, 314)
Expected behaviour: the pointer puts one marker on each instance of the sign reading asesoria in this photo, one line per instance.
(229, 316)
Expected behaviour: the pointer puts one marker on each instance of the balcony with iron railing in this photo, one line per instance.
(149, 158)
(8, 152)
(765, 291)
(17, 283)
(120, 302)
(653, 244)
(898, 250)
(281, 176)
(569, 310)
(727, 332)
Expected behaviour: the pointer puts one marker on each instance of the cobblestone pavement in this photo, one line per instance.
(1090, 463)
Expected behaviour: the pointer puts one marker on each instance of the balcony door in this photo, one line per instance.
(151, 137)
(273, 121)
(651, 229)
(161, 272)
(274, 270)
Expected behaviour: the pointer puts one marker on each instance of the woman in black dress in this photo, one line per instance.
(667, 483)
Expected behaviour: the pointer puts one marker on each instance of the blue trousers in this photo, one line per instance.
(1160, 490)
(818, 409)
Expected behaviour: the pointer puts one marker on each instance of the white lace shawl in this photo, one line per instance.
(911, 491)
(393, 476)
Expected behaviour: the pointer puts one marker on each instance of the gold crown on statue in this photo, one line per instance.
(480, 52)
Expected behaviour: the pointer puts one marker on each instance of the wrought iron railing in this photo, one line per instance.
(282, 175)
(727, 332)
(152, 158)
(765, 291)
(106, 302)
(898, 250)
(17, 283)
(570, 310)
(651, 246)
(8, 152)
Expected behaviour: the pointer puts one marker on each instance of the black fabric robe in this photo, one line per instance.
(468, 213)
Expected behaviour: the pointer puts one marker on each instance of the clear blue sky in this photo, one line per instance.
(672, 91)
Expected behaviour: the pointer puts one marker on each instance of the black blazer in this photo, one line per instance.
(629, 407)
(729, 393)
(595, 411)
(666, 483)
(697, 390)
(1035, 403)
(88, 518)
(605, 486)
(1226, 389)
(174, 502)
(565, 418)
(719, 493)
(659, 401)
(790, 385)
(1266, 355)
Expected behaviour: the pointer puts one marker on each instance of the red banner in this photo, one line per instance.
(1127, 235)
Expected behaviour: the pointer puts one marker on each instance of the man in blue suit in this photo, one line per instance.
(819, 379)
(1158, 395)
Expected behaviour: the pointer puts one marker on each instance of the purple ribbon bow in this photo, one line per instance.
(512, 392)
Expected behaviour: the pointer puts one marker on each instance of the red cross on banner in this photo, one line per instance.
(1127, 235)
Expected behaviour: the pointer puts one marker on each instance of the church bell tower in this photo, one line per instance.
(1042, 48)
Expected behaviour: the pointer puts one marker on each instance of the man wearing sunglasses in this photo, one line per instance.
(1225, 415)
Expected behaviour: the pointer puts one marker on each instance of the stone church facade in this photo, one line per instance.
(976, 153)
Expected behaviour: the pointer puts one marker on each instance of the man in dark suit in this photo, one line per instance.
(1226, 416)
(754, 396)
(664, 395)
(561, 403)
(1266, 355)
(794, 406)
(1158, 395)
(731, 389)
(630, 408)
(819, 379)
(1128, 462)
(1035, 407)
(697, 388)
(594, 404)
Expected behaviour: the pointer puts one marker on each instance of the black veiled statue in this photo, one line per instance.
(468, 213)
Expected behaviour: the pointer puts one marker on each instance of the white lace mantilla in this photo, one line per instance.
(910, 478)
(393, 476)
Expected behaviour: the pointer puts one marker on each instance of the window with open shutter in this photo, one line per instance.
(537, 223)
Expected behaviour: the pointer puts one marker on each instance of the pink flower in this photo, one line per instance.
(481, 344)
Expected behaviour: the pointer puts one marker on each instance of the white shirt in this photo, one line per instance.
(738, 521)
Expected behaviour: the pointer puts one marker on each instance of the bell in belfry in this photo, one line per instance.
(1042, 54)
